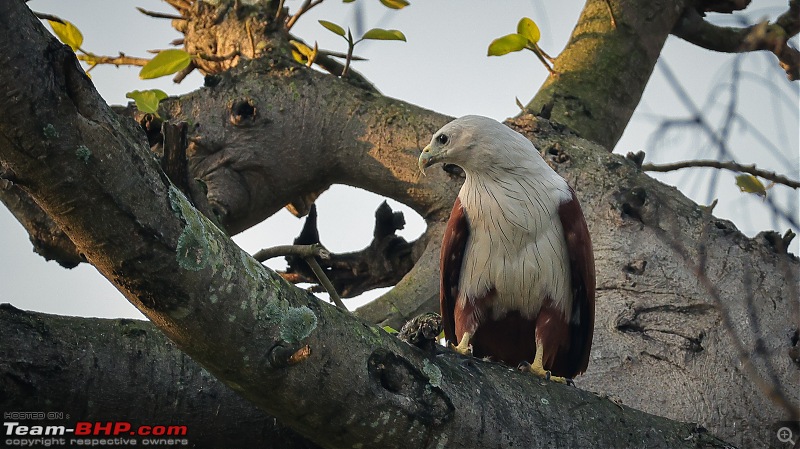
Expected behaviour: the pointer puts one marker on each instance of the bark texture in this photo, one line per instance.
(602, 72)
(62, 364)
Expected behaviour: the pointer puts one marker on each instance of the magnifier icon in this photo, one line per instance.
(785, 435)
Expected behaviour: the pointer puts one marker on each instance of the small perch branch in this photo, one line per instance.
(304, 251)
(308, 253)
(730, 165)
(122, 59)
(307, 5)
(323, 279)
(160, 15)
(45, 16)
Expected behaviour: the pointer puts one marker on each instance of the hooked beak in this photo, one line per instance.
(427, 158)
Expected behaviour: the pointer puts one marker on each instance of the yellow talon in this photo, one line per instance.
(463, 348)
(537, 367)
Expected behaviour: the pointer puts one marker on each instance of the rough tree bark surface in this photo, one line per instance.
(133, 374)
(660, 343)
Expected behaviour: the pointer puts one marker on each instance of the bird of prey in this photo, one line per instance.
(517, 270)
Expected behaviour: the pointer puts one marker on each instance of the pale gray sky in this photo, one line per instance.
(442, 67)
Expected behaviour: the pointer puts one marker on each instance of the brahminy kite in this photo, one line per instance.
(517, 270)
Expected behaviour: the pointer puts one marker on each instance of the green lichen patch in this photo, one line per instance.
(193, 252)
(83, 153)
(50, 132)
(433, 372)
(273, 310)
(297, 323)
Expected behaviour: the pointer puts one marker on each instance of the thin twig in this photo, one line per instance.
(122, 59)
(729, 165)
(309, 253)
(303, 251)
(159, 15)
(323, 279)
(183, 73)
(45, 16)
(307, 5)
(611, 13)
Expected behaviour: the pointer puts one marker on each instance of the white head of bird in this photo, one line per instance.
(477, 144)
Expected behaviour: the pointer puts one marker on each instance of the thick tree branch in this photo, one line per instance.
(772, 37)
(728, 165)
(135, 374)
(605, 66)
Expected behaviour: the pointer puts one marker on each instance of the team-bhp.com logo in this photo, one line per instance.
(86, 433)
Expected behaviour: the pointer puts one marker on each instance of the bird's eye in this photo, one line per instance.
(442, 139)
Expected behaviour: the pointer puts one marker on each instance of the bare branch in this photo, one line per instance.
(122, 59)
(307, 5)
(181, 75)
(309, 254)
(729, 165)
(46, 16)
(304, 251)
(763, 36)
(159, 15)
(323, 279)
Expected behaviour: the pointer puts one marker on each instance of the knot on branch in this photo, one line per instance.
(381, 264)
(778, 243)
(632, 202)
(415, 391)
(422, 331)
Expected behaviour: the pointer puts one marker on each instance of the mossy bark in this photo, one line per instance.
(602, 72)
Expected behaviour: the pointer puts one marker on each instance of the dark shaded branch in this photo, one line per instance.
(46, 16)
(381, 264)
(135, 373)
(763, 36)
(47, 238)
(729, 165)
(722, 6)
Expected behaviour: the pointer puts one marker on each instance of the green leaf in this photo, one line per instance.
(384, 35)
(332, 27)
(67, 33)
(348, 1)
(507, 44)
(751, 184)
(165, 63)
(147, 100)
(395, 4)
(528, 28)
(390, 329)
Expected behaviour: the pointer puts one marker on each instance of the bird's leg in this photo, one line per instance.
(463, 348)
(538, 368)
